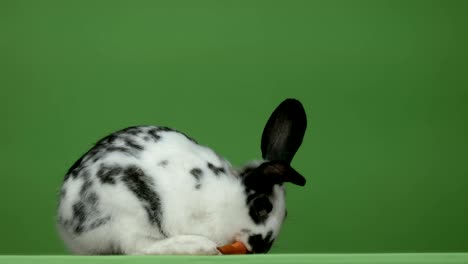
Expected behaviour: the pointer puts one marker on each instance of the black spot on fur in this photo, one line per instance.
(135, 130)
(163, 163)
(216, 170)
(84, 210)
(246, 171)
(132, 144)
(196, 172)
(154, 134)
(101, 148)
(99, 222)
(256, 184)
(79, 217)
(156, 137)
(123, 150)
(86, 215)
(75, 169)
(96, 154)
(109, 139)
(84, 188)
(107, 174)
(142, 186)
(260, 244)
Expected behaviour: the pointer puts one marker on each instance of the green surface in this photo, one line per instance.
(271, 259)
(384, 84)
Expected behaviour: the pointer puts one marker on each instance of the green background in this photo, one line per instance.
(384, 84)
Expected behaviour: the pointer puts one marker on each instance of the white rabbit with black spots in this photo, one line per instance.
(149, 190)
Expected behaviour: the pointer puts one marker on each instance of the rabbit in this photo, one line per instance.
(152, 190)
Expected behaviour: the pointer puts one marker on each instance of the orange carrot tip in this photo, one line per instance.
(235, 248)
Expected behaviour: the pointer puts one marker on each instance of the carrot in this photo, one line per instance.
(234, 248)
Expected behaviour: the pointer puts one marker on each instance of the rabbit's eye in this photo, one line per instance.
(262, 207)
(263, 213)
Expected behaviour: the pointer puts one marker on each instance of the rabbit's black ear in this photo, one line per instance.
(281, 172)
(284, 131)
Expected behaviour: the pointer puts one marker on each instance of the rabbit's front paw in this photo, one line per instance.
(183, 245)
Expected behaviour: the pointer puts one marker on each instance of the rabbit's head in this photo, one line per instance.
(264, 181)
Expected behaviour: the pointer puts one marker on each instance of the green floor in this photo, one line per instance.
(446, 258)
